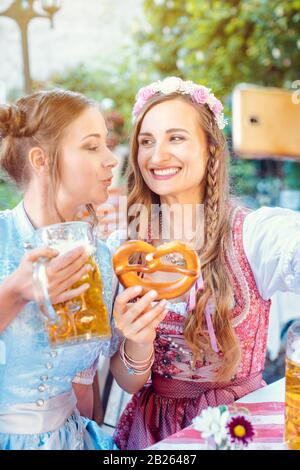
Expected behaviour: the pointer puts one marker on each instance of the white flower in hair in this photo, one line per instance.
(211, 100)
(156, 86)
(189, 87)
(171, 85)
(221, 121)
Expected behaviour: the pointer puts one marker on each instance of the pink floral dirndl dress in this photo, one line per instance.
(176, 393)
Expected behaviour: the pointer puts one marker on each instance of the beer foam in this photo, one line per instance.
(296, 344)
(295, 356)
(63, 246)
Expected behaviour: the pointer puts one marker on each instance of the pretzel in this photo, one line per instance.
(128, 273)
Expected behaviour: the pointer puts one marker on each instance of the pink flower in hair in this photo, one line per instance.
(217, 106)
(138, 107)
(200, 94)
(145, 93)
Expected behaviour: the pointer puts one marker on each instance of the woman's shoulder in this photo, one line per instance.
(249, 222)
(265, 214)
(238, 211)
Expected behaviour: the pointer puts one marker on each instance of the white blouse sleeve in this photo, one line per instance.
(271, 238)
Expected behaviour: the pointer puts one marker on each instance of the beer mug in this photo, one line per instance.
(85, 317)
(292, 388)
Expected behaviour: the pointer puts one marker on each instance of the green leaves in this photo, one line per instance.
(228, 42)
(9, 197)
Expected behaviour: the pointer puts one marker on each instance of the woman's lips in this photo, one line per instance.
(107, 182)
(164, 174)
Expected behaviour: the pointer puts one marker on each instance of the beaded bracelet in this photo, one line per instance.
(135, 367)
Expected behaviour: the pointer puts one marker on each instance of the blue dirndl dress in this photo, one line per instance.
(37, 402)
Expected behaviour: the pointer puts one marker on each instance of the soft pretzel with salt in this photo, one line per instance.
(128, 273)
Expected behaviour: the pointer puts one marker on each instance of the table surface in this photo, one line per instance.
(266, 407)
(273, 392)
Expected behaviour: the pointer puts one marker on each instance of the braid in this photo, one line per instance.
(212, 198)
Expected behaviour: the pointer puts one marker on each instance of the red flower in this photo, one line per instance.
(240, 430)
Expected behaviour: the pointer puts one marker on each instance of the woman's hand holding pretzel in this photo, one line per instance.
(138, 321)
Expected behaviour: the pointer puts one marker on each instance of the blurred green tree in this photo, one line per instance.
(218, 43)
(113, 88)
(222, 43)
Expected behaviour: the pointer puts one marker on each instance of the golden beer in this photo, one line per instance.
(292, 387)
(292, 405)
(85, 317)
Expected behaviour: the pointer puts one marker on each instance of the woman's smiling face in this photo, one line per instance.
(172, 148)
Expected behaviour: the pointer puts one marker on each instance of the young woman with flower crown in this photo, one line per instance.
(210, 347)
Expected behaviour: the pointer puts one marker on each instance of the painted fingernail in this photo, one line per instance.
(88, 267)
(137, 289)
(162, 303)
(153, 294)
(85, 286)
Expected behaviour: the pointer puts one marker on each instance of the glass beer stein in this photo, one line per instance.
(85, 317)
(292, 388)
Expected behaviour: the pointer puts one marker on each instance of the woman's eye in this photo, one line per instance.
(93, 149)
(146, 142)
(177, 138)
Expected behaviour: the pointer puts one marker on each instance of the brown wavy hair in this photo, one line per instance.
(39, 119)
(217, 210)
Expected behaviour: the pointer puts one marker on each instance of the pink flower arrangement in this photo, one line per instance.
(199, 94)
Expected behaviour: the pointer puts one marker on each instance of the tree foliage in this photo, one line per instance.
(222, 43)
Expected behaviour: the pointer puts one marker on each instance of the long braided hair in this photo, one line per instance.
(217, 209)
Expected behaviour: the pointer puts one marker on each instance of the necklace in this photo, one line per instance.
(173, 258)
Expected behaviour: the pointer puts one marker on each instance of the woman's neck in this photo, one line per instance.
(181, 218)
(40, 212)
(192, 196)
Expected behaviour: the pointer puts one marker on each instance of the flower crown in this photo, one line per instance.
(198, 93)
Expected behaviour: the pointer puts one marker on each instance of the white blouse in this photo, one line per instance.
(271, 238)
